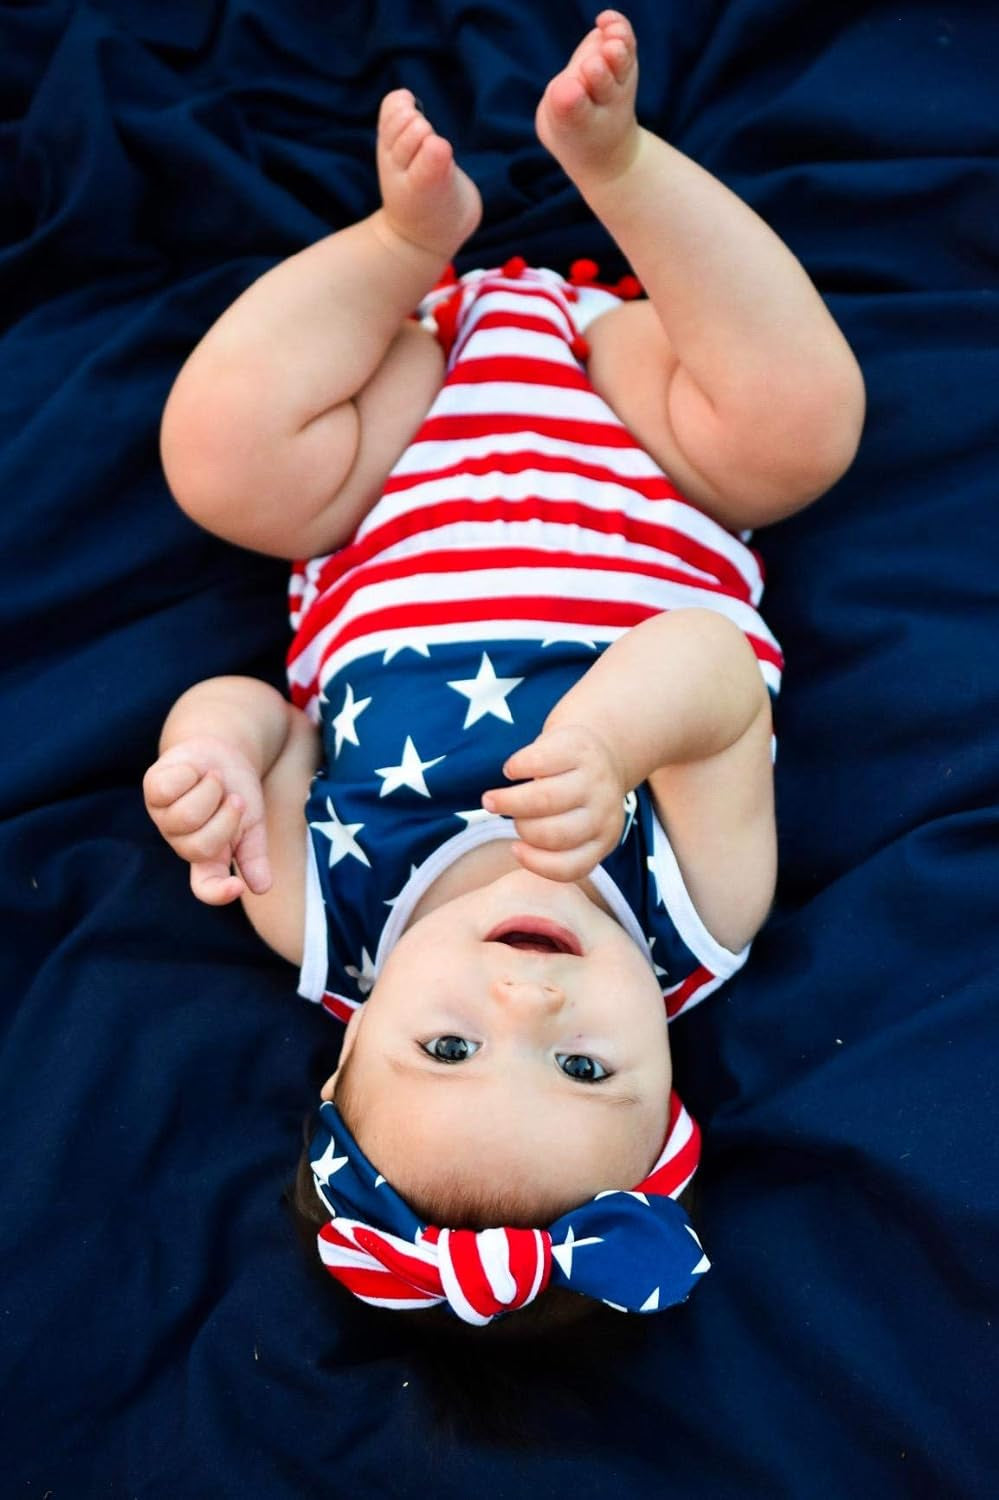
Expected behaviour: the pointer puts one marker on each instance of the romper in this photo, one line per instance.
(520, 533)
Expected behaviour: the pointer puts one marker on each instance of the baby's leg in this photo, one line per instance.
(736, 378)
(285, 420)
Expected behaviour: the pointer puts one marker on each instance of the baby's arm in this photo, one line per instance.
(679, 702)
(229, 788)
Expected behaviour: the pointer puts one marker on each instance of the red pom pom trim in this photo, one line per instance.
(583, 272)
(580, 348)
(514, 267)
(629, 287)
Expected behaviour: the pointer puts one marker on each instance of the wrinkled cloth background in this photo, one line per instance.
(159, 1335)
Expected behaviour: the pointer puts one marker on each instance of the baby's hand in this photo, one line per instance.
(206, 800)
(570, 812)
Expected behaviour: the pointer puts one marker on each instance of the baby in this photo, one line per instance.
(531, 725)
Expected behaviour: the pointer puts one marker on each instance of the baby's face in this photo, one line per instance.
(515, 1030)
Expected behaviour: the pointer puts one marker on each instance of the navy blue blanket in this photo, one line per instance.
(160, 1335)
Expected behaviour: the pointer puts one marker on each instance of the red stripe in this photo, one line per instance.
(518, 369)
(665, 539)
(461, 612)
(409, 617)
(333, 1003)
(488, 424)
(649, 486)
(677, 999)
(462, 1247)
(679, 1167)
(529, 322)
(520, 289)
(457, 561)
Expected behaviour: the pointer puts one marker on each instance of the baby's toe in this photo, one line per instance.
(397, 112)
(600, 81)
(409, 140)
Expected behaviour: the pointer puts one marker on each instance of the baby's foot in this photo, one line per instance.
(426, 197)
(586, 117)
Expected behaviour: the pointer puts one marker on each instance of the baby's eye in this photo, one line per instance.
(577, 1065)
(450, 1049)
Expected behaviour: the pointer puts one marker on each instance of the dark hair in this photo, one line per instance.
(498, 1383)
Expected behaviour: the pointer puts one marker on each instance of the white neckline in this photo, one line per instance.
(487, 830)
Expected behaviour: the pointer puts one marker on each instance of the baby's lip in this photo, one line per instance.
(555, 938)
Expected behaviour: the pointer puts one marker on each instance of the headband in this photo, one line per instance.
(633, 1250)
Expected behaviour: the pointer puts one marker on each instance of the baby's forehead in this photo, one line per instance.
(571, 1143)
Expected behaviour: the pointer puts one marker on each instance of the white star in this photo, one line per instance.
(341, 837)
(563, 1252)
(325, 1166)
(409, 772)
(365, 975)
(379, 1180)
(569, 640)
(660, 972)
(420, 647)
(475, 815)
(486, 693)
(346, 720)
(703, 1264)
(651, 1303)
(626, 1192)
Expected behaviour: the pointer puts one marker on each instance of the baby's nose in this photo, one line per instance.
(527, 995)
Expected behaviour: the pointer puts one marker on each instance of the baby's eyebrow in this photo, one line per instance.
(452, 1074)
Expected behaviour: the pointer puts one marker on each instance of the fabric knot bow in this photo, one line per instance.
(633, 1250)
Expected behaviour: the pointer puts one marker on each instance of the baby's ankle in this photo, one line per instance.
(417, 253)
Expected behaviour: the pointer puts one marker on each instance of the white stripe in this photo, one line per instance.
(452, 1289)
(542, 536)
(521, 398)
(681, 909)
(493, 343)
(494, 1253)
(601, 589)
(301, 673)
(401, 1304)
(340, 1255)
(673, 1145)
(315, 958)
(418, 1250)
(607, 588)
(302, 670)
(507, 299)
(606, 496)
(539, 1250)
(433, 454)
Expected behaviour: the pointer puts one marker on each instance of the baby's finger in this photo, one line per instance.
(573, 864)
(548, 755)
(540, 798)
(251, 859)
(216, 839)
(213, 882)
(568, 831)
(192, 810)
(162, 785)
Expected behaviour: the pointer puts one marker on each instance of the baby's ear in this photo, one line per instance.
(329, 1087)
(350, 1036)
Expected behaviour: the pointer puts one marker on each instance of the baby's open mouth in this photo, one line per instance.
(536, 935)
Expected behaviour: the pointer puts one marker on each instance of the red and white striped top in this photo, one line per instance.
(523, 507)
